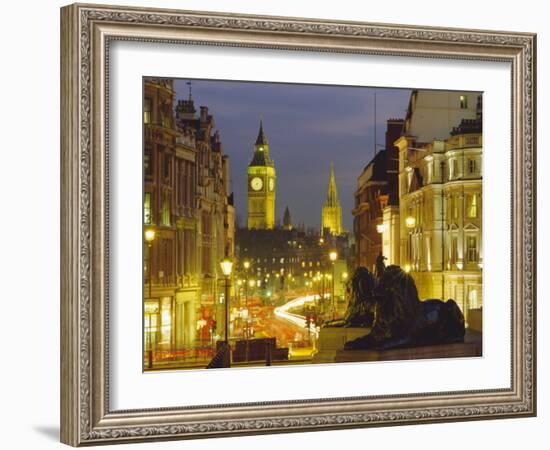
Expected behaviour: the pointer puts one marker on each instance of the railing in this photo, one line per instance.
(465, 140)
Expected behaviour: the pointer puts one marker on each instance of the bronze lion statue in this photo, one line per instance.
(360, 312)
(390, 306)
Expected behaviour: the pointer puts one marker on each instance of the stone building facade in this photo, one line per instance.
(440, 198)
(376, 211)
(187, 204)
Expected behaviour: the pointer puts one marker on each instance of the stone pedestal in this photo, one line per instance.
(471, 347)
(331, 340)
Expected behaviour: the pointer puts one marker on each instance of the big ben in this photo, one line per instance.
(261, 186)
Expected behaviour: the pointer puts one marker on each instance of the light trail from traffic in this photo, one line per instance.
(296, 319)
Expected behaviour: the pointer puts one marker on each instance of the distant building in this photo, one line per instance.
(287, 220)
(283, 260)
(440, 195)
(261, 186)
(331, 219)
(376, 212)
(431, 115)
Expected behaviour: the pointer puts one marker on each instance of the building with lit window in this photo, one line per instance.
(215, 215)
(188, 213)
(440, 196)
(376, 211)
(262, 186)
(286, 262)
(160, 191)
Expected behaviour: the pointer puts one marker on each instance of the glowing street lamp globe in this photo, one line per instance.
(227, 266)
(410, 222)
(333, 256)
(246, 264)
(149, 236)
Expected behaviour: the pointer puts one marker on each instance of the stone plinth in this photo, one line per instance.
(469, 348)
(331, 340)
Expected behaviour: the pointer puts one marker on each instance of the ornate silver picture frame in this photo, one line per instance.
(87, 33)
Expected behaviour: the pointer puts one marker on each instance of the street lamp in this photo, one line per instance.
(410, 222)
(226, 265)
(333, 256)
(246, 265)
(149, 238)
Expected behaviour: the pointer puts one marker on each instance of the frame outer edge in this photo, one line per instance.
(530, 122)
(79, 337)
(69, 183)
(534, 218)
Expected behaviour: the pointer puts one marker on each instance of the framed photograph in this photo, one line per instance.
(276, 225)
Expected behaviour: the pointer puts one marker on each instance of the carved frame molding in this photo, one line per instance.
(86, 32)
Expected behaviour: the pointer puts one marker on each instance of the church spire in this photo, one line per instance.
(261, 140)
(332, 211)
(287, 221)
(332, 190)
(261, 149)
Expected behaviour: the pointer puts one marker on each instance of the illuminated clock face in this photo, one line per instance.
(271, 184)
(256, 183)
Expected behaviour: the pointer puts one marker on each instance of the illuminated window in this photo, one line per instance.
(151, 324)
(148, 163)
(452, 169)
(471, 246)
(463, 102)
(147, 210)
(166, 209)
(472, 206)
(147, 110)
(454, 201)
(473, 298)
(165, 320)
(471, 166)
(454, 249)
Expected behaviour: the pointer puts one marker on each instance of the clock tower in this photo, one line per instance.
(261, 186)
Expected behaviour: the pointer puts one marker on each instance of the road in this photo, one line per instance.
(283, 312)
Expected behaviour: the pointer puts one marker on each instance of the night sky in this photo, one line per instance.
(307, 126)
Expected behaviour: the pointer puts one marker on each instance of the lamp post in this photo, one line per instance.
(149, 238)
(333, 257)
(227, 265)
(246, 266)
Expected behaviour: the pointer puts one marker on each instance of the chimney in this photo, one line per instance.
(204, 113)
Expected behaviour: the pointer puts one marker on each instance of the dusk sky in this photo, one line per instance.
(307, 126)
